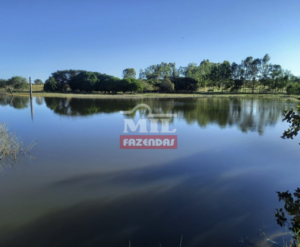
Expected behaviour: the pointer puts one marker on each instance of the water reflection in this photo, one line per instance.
(31, 109)
(148, 205)
(39, 100)
(292, 208)
(15, 102)
(85, 191)
(246, 114)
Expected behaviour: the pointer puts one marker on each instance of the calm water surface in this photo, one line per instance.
(83, 190)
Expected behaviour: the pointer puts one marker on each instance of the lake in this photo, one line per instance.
(81, 189)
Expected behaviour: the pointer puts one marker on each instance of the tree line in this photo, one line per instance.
(80, 80)
(18, 82)
(255, 75)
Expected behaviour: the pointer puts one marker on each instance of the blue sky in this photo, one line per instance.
(40, 37)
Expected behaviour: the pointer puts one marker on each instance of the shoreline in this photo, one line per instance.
(156, 95)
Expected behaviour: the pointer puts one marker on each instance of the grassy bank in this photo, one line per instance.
(158, 95)
(38, 92)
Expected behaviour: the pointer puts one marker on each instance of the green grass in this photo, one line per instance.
(38, 92)
(155, 95)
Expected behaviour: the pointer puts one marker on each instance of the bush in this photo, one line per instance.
(293, 89)
(167, 86)
(185, 83)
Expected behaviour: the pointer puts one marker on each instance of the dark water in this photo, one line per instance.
(83, 190)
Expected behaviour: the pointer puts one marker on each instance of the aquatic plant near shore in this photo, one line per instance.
(11, 146)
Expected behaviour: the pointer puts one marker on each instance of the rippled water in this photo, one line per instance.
(83, 190)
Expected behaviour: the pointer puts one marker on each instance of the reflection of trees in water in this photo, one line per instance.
(15, 102)
(290, 215)
(39, 100)
(247, 114)
(251, 115)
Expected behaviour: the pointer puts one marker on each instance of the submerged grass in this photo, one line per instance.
(12, 149)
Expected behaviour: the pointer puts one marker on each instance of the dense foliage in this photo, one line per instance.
(251, 75)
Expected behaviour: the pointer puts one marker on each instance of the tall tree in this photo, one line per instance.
(224, 73)
(264, 70)
(214, 75)
(275, 73)
(204, 70)
(191, 71)
(129, 73)
(246, 65)
(255, 68)
(159, 71)
(237, 76)
(251, 69)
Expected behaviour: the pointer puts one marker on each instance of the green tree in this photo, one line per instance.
(224, 74)
(129, 73)
(103, 81)
(159, 71)
(50, 85)
(264, 71)
(167, 86)
(204, 71)
(64, 77)
(123, 85)
(191, 71)
(38, 82)
(134, 85)
(17, 82)
(251, 69)
(237, 76)
(147, 86)
(22, 85)
(275, 71)
(110, 84)
(214, 76)
(255, 68)
(84, 81)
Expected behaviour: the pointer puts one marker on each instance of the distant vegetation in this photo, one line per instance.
(249, 76)
(18, 83)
